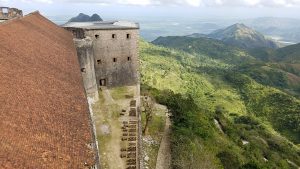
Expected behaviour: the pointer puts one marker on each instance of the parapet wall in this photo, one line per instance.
(86, 60)
(10, 13)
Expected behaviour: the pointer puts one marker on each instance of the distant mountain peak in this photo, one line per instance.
(240, 25)
(95, 17)
(243, 36)
(81, 17)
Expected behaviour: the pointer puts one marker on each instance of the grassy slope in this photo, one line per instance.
(290, 54)
(282, 71)
(286, 61)
(203, 84)
(206, 46)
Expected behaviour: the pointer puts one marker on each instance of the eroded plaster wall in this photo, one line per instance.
(85, 55)
(116, 56)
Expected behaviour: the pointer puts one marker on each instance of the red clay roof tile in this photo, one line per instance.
(44, 116)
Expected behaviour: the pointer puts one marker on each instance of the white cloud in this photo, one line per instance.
(38, 1)
(254, 3)
(135, 2)
(2, 2)
(195, 3)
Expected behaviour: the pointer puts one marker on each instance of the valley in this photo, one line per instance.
(278, 68)
(150, 84)
(200, 88)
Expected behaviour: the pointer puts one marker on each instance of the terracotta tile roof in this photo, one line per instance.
(44, 116)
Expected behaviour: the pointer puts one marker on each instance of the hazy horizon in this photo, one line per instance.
(177, 17)
(151, 9)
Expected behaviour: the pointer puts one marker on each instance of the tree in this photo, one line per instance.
(148, 105)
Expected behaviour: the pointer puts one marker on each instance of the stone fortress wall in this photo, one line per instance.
(108, 56)
(116, 57)
(85, 55)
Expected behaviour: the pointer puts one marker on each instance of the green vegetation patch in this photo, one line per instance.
(253, 118)
(119, 93)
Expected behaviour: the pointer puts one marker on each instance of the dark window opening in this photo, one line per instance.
(115, 59)
(129, 58)
(96, 36)
(83, 70)
(114, 36)
(99, 61)
(128, 36)
(103, 82)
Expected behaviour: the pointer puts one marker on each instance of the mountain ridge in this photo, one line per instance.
(86, 18)
(241, 36)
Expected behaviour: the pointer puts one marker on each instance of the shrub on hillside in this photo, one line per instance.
(229, 159)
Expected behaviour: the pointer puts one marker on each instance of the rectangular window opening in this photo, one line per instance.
(103, 82)
(128, 36)
(99, 61)
(114, 36)
(128, 58)
(115, 59)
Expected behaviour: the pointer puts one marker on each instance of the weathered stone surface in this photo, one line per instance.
(115, 52)
(85, 55)
(124, 70)
(9, 13)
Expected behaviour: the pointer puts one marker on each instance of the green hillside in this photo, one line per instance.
(206, 46)
(285, 61)
(261, 64)
(289, 54)
(259, 126)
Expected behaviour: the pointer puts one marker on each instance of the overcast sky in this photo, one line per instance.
(168, 8)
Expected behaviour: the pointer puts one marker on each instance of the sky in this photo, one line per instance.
(162, 8)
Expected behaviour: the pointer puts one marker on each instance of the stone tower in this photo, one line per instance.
(108, 53)
(9, 13)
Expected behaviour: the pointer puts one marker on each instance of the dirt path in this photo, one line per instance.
(164, 153)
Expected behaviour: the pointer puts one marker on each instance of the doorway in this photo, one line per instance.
(103, 82)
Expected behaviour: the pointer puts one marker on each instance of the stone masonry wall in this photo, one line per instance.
(116, 58)
(86, 59)
(9, 13)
